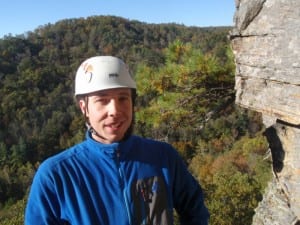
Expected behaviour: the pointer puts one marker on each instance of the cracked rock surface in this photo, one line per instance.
(266, 44)
(267, 54)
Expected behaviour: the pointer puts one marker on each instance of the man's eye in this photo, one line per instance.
(102, 100)
(125, 98)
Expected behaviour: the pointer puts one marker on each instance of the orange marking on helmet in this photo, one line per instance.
(87, 68)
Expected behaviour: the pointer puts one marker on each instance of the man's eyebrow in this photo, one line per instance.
(100, 94)
(124, 93)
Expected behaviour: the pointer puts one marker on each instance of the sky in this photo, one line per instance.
(20, 16)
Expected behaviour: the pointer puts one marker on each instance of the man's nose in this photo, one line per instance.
(113, 107)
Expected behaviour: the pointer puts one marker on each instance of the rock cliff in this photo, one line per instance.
(266, 44)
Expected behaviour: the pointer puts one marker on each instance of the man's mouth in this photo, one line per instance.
(114, 126)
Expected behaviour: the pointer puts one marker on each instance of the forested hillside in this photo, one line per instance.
(185, 78)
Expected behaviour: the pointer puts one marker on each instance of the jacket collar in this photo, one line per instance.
(112, 149)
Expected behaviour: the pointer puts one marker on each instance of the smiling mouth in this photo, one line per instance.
(115, 126)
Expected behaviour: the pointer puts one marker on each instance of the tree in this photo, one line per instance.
(234, 197)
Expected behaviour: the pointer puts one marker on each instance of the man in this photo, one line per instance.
(113, 177)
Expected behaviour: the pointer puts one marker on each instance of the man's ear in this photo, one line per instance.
(83, 106)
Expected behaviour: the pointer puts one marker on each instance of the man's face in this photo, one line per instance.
(109, 112)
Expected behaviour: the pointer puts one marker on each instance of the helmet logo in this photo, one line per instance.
(88, 71)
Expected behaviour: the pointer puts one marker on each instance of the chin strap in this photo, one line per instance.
(92, 130)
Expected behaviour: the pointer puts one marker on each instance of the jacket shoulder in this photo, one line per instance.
(54, 161)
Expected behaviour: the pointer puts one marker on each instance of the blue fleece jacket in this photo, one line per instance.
(137, 181)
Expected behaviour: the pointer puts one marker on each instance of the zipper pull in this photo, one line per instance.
(118, 153)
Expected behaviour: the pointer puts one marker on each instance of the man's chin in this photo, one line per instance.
(114, 138)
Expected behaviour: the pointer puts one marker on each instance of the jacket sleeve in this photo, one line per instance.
(42, 206)
(188, 196)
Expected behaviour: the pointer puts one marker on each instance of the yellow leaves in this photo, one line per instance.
(184, 148)
(176, 51)
(145, 78)
(201, 166)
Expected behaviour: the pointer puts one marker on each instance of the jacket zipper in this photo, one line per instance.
(122, 178)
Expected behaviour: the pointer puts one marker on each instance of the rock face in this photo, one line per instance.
(266, 44)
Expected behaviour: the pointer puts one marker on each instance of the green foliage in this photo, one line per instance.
(185, 79)
(234, 175)
(187, 90)
(235, 194)
(13, 215)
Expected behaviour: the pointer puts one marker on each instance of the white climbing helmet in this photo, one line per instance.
(101, 73)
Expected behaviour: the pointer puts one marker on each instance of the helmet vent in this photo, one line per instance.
(113, 75)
